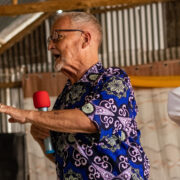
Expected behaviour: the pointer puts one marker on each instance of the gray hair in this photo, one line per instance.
(83, 18)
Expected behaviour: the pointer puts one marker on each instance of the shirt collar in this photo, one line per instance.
(92, 74)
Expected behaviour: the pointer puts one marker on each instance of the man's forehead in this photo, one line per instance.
(62, 23)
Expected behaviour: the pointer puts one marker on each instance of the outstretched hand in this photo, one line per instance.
(17, 115)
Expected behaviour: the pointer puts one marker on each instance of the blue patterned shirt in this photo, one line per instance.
(114, 152)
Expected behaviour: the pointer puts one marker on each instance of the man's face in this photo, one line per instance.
(65, 45)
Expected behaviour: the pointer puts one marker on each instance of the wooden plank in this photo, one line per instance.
(43, 81)
(162, 68)
(11, 84)
(52, 6)
(24, 32)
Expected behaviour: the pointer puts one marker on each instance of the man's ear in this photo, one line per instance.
(86, 39)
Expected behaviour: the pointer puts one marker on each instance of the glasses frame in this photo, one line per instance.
(59, 36)
(69, 30)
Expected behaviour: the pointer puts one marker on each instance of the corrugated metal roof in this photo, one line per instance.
(6, 21)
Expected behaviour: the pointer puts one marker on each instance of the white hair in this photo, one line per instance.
(81, 19)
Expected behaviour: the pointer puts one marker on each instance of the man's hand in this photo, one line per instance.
(39, 133)
(17, 115)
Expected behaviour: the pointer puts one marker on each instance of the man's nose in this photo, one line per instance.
(51, 45)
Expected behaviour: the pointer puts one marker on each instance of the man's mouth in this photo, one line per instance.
(56, 56)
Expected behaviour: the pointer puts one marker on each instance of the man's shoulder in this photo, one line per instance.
(115, 72)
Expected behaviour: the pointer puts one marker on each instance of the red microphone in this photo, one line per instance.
(42, 102)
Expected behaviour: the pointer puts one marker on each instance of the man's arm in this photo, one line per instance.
(69, 120)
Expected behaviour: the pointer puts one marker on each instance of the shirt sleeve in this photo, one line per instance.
(174, 105)
(113, 108)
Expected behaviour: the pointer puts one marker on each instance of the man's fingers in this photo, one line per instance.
(39, 128)
(6, 109)
(12, 120)
(2, 108)
(38, 132)
(17, 115)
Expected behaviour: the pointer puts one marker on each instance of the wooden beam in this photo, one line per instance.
(113, 8)
(161, 68)
(24, 32)
(52, 6)
(11, 85)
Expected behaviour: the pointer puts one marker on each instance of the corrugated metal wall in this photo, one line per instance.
(130, 37)
(136, 36)
(27, 56)
(133, 36)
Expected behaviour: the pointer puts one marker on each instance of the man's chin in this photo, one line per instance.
(58, 67)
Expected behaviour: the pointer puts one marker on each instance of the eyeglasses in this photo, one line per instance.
(55, 37)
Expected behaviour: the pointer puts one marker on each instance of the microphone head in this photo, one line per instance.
(41, 99)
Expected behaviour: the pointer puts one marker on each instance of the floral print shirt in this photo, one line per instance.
(115, 152)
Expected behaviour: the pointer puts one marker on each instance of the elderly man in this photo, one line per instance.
(92, 125)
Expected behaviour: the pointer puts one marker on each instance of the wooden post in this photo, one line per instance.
(14, 2)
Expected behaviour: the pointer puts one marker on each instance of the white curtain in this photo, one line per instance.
(160, 135)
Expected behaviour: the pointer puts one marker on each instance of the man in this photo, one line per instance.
(92, 125)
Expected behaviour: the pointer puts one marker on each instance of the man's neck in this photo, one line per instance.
(74, 74)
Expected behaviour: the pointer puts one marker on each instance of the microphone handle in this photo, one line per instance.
(47, 141)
